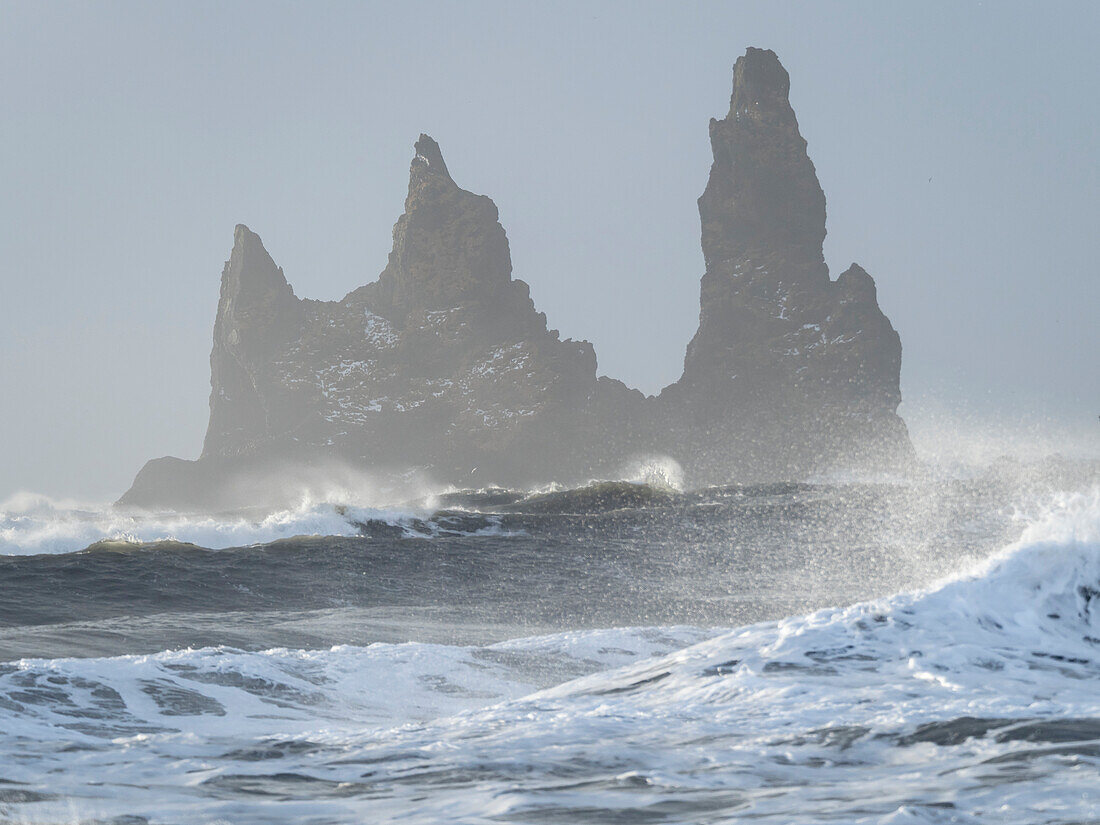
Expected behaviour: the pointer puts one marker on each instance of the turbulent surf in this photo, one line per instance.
(883, 651)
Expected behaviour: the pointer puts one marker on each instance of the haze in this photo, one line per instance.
(956, 144)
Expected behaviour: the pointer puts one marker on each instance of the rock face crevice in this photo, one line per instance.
(444, 364)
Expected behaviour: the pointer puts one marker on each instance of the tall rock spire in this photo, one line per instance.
(787, 367)
(257, 312)
(448, 247)
(763, 201)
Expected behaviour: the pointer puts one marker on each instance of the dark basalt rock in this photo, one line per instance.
(444, 365)
(789, 372)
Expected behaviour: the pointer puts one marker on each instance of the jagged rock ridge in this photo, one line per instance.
(444, 363)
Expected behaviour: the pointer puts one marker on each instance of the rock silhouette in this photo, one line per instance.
(444, 366)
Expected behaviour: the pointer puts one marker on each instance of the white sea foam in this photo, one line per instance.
(215, 711)
(345, 687)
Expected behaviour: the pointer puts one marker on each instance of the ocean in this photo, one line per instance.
(920, 649)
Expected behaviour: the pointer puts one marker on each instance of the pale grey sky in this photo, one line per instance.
(956, 143)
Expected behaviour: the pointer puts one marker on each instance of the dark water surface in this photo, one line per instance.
(505, 565)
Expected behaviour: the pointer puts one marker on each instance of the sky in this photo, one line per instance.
(956, 143)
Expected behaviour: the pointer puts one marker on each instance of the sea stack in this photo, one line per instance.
(790, 373)
(443, 365)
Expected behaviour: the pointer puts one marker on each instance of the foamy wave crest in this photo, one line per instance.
(31, 524)
(1047, 582)
(1036, 601)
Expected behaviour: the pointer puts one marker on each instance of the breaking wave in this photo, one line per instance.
(32, 524)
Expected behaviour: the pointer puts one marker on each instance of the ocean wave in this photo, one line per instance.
(597, 497)
(32, 524)
(1036, 601)
(35, 524)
